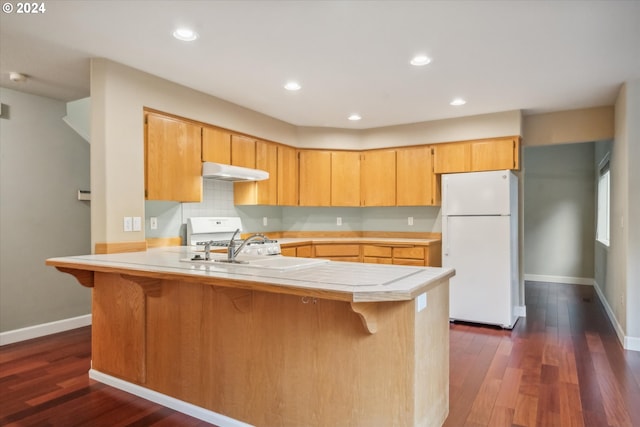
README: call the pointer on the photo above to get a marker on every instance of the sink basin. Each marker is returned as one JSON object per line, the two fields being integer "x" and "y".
{"x": 268, "y": 262}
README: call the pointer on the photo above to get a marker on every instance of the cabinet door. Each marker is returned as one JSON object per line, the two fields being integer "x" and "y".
{"x": 345, "y": 178}
{"x": 260, "y": 192}
{"x": 173, "y": 165}
{"x": 494, "y": 154}
{"x": 315, "y": 178}
{"x": 216, "y": 145}
{"x": 378, "y": 178}
{"x": 243, "y": 151}
{"x": 451, "y": 158}
{"x": 287, "y": 176}
{"x": 416, "y": 182}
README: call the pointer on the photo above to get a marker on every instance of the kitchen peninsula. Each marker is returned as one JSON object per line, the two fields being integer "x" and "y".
{"x": 282, "y": 342}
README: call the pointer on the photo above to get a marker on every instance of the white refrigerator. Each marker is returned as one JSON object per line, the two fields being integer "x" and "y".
{"x": 480, "y": 241}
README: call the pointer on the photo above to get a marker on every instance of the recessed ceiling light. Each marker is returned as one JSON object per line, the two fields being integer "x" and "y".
{"x": 292, "y": 86}
{"x": 185, "y": 34}
{"x": 355, "y": 117}
{"x": 420, "y": 60}
{"x": 458, "y": 101}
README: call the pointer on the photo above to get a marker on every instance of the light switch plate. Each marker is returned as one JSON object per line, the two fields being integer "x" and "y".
{"x": 421, "y": 302}
{"x": 128, "y": 223}
{"x": 153, "y": 223}
{"x": 137, "y": 223}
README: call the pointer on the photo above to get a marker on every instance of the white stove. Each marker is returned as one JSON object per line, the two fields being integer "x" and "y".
{"x": 217, "y": 233}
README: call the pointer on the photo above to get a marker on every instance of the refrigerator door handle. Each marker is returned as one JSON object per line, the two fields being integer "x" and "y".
{"x": 446, "y": 246}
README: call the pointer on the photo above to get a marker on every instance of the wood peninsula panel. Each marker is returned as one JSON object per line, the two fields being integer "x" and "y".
{"x": 289, "y": 361}
{"x": 118, "y": 339}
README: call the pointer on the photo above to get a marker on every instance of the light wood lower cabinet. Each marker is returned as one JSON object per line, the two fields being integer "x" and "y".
{"x": 399, "y": 254}
{"x": 303, "y": 251}
{"x": 337, "y": 252}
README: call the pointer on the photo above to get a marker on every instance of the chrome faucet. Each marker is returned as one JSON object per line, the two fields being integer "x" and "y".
{"x": 232, "y": 252}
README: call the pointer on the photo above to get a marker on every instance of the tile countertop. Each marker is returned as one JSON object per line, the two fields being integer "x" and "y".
{"x": 346, "y": 281}
{"x": 390, "y": 241}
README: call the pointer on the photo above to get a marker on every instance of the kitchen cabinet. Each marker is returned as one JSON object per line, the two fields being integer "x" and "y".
{"x": 315, "y": 178}
{"x": 495, "y": 154}
{"x": 243, "y": 151}
{"x": 452, "y": 157}
{"x": 476, "y": 156}
{"x": 417, "y": 184}
{"x": 287, "y": 176}
{"x": 302, "y": 251}
{"x": 260, "y": 192}
{"x": 345, "y": 178}
{"x": 216, "y": 145}
{"x": 173, "y": 153}
{"x": 337, "y": 252}
{"x": 403, "y": 254}
{"x": 378, "y": 178}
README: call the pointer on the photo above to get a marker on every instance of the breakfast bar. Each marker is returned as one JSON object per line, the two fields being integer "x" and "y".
{"x": 277, "y": 341}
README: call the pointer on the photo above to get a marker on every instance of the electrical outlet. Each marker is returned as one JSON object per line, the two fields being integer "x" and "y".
{"x": 153, "y": 223}
{"x": 137, "y": 223}
{"x": 339, "y": 221}
{"x": 410, "y": 220}
{"x": 265, "y": 221}
{"x": 128, "y": 223}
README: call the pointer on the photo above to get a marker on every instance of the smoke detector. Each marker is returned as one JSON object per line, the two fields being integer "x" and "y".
{"x": 17, "y": 77}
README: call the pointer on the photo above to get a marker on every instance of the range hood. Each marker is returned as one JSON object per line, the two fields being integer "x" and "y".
{"x": 232, "y": 173}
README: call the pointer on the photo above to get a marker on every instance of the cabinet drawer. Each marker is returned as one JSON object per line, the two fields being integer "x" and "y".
{"x": 414, "y": 252}
{"x": 304, "y": 251}
{"x": 376, "y": 260}
{"x": 288, "y": 251}
{"x": 337, "y": 250}
{"x": 376, "y": 251}
{"x": 406, "y": 261}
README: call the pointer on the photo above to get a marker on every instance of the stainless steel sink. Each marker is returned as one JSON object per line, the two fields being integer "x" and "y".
{"x": 268, "y": 262}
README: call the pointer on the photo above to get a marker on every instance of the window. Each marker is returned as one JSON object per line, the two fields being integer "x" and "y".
{"x": 604, "y": 202}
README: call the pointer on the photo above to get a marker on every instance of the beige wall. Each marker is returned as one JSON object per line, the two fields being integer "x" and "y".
{"x": 562, "y": 127}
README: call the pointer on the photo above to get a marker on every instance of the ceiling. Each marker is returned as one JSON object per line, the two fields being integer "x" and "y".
{"x": 349, "y": 56}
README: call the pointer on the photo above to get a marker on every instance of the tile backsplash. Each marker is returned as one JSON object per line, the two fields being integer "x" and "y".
{"x": 218, "y": 201}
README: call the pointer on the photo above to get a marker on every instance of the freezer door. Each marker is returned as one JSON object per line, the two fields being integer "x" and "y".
{"x": 478, "y": 193}
{"x": 478, "y": 248}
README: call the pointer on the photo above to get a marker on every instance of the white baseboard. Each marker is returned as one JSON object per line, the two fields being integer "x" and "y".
{"x": 43, "y": 329}
{"x": 168, "y": 401}
{"x": 520, "y": 310}
{"x": 559, "y": 279}
{"x": 628, "y": 343}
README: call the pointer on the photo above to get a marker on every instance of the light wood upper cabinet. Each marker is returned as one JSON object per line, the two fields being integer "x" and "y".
{"x": 287, "y": 175}
{"x": 495, "y": 154}
{"x": 173, "y": 165}
{"x": 243, "y": 151}
{"x": 345, "y": 178}
{"x": 260, "y": 192}
{"x": 417, "y": 185}
{"x": 314, "y": 177}
{"x": 216, "y": 145}
{"x": 378, "y": 178}
{"x": 476, "y": 156}
{"x": 451, "y": 158}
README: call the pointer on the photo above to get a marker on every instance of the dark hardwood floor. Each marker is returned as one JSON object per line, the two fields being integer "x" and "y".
{"x": 561, "y": 366}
